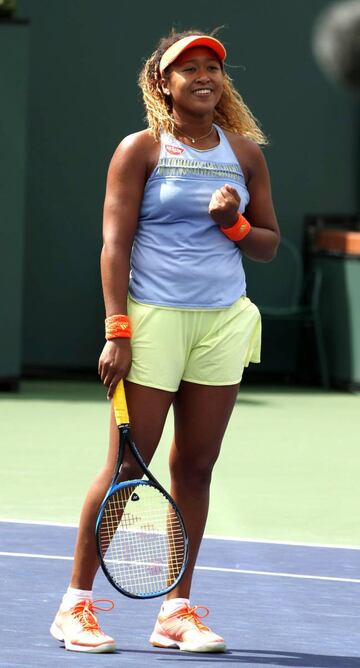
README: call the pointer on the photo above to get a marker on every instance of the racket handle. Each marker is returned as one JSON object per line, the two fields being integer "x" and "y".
{"x": 120, "y": 405}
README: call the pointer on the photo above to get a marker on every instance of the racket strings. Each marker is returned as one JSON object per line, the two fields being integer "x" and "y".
{"x": 142, "y": 540}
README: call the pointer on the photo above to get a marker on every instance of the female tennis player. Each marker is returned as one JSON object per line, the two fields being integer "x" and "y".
{"x": 186, "y": 198}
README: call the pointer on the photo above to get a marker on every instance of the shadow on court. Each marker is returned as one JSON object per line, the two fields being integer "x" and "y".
{"x": 247, "y": 401}
{"x": 59, "y": 390}
{"x": 294, "y": 659}
{"x": 248, "y": 657}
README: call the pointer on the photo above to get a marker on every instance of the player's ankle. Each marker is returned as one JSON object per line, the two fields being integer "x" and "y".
{"x": 73, "y": 595}
{"x": 170, "y": 605}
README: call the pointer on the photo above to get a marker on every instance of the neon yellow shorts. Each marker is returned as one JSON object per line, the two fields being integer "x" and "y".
{"x": 209, "y": 347}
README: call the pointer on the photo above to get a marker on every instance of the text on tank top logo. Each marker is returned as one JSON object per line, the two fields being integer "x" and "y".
{"x": 173, "y": 150}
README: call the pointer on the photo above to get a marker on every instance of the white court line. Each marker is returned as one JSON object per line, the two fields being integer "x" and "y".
{"x": 28, "y": 555}
{"x": 209, "y": 537}
{"x": 66, "y": 525}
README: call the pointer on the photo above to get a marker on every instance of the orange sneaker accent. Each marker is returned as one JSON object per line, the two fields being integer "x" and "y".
{"x": 184, "y": 630}
{"x": 79, "y": 629}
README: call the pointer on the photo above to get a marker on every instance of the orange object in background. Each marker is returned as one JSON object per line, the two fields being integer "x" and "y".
{"x": 338, "y": 241}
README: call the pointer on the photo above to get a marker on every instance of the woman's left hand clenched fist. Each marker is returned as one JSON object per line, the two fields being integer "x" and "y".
{"x": 224, "y": 205}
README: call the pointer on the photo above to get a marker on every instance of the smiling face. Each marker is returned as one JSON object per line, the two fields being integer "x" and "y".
{"x": 195, "y": 81}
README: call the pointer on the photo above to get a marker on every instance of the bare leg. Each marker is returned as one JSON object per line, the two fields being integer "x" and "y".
{"x": 201, "y": 413}
{"x": 148, "y": 408}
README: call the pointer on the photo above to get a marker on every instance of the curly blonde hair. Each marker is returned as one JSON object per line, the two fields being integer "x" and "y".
{"x": 231, "y": 112}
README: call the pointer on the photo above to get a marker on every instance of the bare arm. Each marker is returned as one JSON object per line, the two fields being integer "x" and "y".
{"x": 124, "y": 191}
{"x": 263, "y": 239}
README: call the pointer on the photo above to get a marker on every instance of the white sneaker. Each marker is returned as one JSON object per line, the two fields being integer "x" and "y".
{"x": 79, "y": 629}
{"x": 184, "y": 630}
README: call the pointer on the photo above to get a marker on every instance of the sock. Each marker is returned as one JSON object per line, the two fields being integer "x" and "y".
{"x": 73, "y": 596}
{"x": 168, "y": 607}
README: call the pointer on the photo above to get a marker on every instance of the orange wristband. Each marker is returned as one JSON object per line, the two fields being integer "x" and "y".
{"x": 239, "y": 230}
{"x": 117, "y": 326}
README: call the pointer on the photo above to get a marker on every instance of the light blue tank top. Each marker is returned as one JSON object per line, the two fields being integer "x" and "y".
{"x": 180, "y": 257}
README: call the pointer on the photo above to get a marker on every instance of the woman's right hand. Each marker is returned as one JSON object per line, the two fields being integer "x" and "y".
{"x": 114, "y": 363}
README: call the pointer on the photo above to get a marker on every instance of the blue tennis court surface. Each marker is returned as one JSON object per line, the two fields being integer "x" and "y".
{"x": 275, "y": 604}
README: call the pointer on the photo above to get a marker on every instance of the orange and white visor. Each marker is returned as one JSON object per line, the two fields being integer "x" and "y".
{"x": 185, "y": 43}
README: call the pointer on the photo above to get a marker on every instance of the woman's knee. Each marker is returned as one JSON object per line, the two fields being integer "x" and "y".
{"x": 193, "y": 470}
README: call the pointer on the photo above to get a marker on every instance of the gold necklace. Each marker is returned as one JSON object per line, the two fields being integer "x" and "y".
{"x": 193, "y": 141}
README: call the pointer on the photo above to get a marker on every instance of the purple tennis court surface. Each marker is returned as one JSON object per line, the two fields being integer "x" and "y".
{"x": 275, "y": 604}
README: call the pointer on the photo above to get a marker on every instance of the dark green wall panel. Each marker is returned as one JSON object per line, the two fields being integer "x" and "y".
{"x": 341, "y": 317}
{"x": 13, "y": 100}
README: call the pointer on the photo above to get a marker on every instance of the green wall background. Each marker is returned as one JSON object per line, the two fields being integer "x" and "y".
{"x": 84, "y": 62}
{"x": 13, "y": 131}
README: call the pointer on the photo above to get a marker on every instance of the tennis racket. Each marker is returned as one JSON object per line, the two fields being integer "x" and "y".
{"x": 140, "y": 534}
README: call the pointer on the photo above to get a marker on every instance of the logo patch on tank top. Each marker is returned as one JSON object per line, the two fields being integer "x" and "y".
{"x": 182, "y": 167}
{"x": 173, "y": 150}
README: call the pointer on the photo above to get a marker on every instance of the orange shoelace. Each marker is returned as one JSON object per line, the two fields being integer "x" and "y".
{"x": 84, "y": 612}
{"x": 192, "y": 616}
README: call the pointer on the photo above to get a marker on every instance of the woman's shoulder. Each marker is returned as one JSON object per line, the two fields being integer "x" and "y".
{"x": 242, "y": 143}
{"x": 137, "y": 147}
{"x": 137, "y": 141}
{"x": 247, "y": 151}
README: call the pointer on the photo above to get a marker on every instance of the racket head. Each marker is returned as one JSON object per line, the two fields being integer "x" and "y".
{"x": 141, "y": 540}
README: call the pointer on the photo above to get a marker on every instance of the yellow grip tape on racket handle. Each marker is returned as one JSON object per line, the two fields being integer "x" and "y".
{"x": 120, "y": 405}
